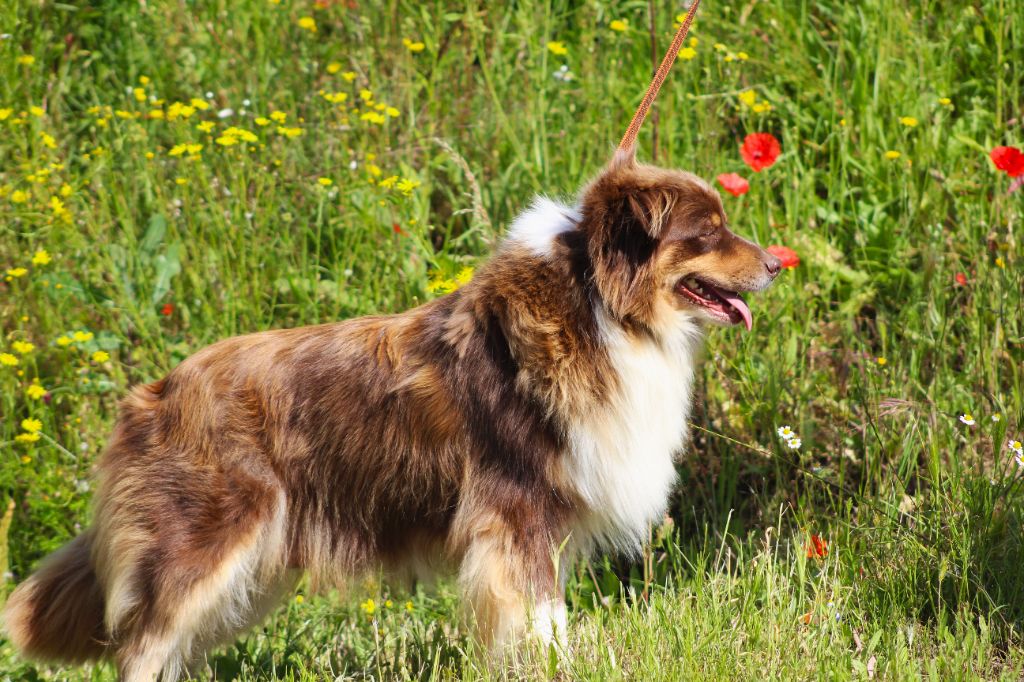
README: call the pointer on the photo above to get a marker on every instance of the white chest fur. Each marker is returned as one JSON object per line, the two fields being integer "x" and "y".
{"x": 621, "y": 458}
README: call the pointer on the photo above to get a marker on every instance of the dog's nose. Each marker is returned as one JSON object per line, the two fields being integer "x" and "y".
{"x": 773, "y": 265}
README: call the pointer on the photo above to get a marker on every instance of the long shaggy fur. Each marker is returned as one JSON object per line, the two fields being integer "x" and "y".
{"x": 539, "y": 407}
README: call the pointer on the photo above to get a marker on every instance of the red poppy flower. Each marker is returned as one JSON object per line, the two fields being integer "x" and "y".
{"x": 960, "y": 278}
{"x": 760, "y": 150}
{"x": 733, "y": 183}
{"x": 1009, "y": 159}
{"x": 786, "y": 255}
{"x": 397, "y": 229}
{"x": 167, "y": 310}
{"x": 817, "y": 548}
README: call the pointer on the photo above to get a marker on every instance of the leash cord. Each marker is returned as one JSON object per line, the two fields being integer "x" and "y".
{"x": 629, "y": 139}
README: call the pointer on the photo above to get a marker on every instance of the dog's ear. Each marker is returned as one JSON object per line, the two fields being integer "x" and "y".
{"x": 651, "y": 209}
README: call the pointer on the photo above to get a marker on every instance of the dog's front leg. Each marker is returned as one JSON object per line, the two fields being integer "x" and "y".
{"x": 509, "y": 581}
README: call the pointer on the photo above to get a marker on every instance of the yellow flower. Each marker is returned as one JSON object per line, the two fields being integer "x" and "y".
{"x": 180, "y": 181}
{"x": 48, "y": 140}
{"x": 464, "y": 275}
{"x": 366, "y": 95}
{"x": 150, "y": 155}
{"x": 372, "y": 117}
{"x": 325, "y": 182}
{"x": 31, "y": 425}
{"x": 41, "y": 257}
{"x": 748, "y": 97}
{"x": 557, "y": 47}
{"x": 144, "y": 80}
{"x": 892, "y": 154}
{"x": 16, "y": 272}
{"x": 881, "y": 361}
{"x": 289, "y": 132}
{"x": 908, "y": 121}
{"x": 333, "y": 67}
{"x": 18, "y": 197}
{"x": 100, "y": 356}
{"x": 408, "y": 606}
{"x": 261, "y": 121}
{"x": 279, "y": 116}
{"x": 156, "y": 114}
{"x": 619, "y": 25}
{"x": 761, "y": 107}
{"x": 687, "y": 53}
{"x": 945, "y": 101}
{"x": 8, "y": 360}
{"x": 368, "y": 606}
{"x": 349, "y": 76}
{"x": 226, "y": 140}
{"x": 1000, "y": 263}
{"x": 299, "y": 599}
{"x": 65, "y": 190}
{"x": 720, "y": 47}
{"x": 178, "y": 149}
{"x": 5, "y": 113}
{"x": 374, "y": 169}
{"x": 406, "y": 186}
{"x": 242, "y": 134}
{"x": 335, "y": 97}
{"x": 26, "y": 60}
{"x": 139, "y": 94}
{"x": 308, "y": 23}
{"x": 35, "y": 391}
{"x": 199, "y": 104}
{"x": 389, "y": 182}
{"x": 36, "y": 111}
{"x": 26, "y": 438}
{"x": 742, "y": 56}
{"x": 82, "y": 337}
{"x": 64, "y": 341}
{"x": 23, "y": 347}
{"x": 416, "y": 46}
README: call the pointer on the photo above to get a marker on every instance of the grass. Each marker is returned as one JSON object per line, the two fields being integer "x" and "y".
{"x": 154, "y": 254}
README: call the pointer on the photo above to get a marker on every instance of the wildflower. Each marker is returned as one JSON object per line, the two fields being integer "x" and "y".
{"x": 406, "y": 186}
{"x": 1016, "y": 447}
{"x": 299, "y": 599}
{"x": 16, "y": 272}
{"x": 100, "y": 356}
{"x": 18, "y": 197}
{"x": 960, "y": 278}
{"x": 349, "y": 76}
{"x": 167, "y": 310}
{"x": 325, "y": 182}
{"x": 82, "y": 337}
{"x": 372, "y": 117}
{"x": 8, "y": 360}
{"x": 563, "y": 74}
{"x": 733, "y": 183}
{"x": 261, "y": 121}
{"x": 882, "y": 362}
{"x": 333, "y": 67}
{"x": 817, "y": 547}
{"x": 5, "y": 113}
{"x": 748, "y": 97}
{"x": 619, "y": 25}
{"x": 687, "y": 53}
{"x": 388, "y": 182}
{"x": 366, "y": 95}
{"x": 761, "y": 107}
{"x": 35, "y": 391}
{"x": 967, "y": 419}
{"x": 464, "y": 275}
{"x": 48, "y": 140}
{"x": 557, "y": 47}
{"x": 226, "y": 140}
{"x": 408, "y": 606}
{"x": 412, "y": 46}
{"x": 786, "y": 433}
{"x": 908, "y": 121}
{"x": 65, "y": 191}
{"x": 308, "y": 24}
{"x": 996, "y": 417}
{"x": 368, "y": 606}
{"x": 392, "y": 112}
{"x": 31, "y": 425}
{"x": 289, "y": 132}
{"x": 26, "y": 438}
{"x": 720, "y": 47}
{"x": 36, "y": 111}
{"x": 199, "y": 104}
{"x": 23, "y": 347}
{"x": 945, "y": 101}
{"x": 335, "y": 97}
{"x": 1008, "y": 159}
{"x": 892, "y": 155}
{"x": 180, "y": 181}
{"x": 760, "y": 150}
{"x": 788, "y": 256}
{"x": 226, "y": 113}
{"x": 64, "y": 341}
{"x": 26, "y": 60}
{"x": 1000, "y": 263}
{"x": 794, "y": 443}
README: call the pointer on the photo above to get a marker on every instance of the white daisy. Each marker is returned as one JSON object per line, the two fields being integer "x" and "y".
{"x": 967, "y": 419}
{"x": 786, "y": 432}
{"x": 996, "y": 417}
{"x": 794, "y": 443}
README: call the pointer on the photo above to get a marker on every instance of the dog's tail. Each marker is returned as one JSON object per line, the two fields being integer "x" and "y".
{"x": 57, "y": 614}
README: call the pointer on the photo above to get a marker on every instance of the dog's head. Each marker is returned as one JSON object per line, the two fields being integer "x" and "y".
{"x": 659, "y": 242}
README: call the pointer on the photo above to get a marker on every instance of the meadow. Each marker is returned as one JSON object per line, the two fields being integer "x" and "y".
{"x": 173, "y": 173}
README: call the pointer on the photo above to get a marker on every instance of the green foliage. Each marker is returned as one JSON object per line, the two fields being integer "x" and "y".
{"x": 158, "y": 247}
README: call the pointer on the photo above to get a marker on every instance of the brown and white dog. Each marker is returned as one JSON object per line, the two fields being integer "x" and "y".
{"x": 535, "y": 410}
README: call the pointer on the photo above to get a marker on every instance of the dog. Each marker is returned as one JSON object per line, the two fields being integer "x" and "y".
{"x": 526, "y": 419}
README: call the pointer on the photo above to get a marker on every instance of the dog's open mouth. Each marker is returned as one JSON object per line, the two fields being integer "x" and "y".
{"x": 721, "y": 304}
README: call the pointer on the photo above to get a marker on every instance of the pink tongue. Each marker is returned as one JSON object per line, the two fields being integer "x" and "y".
{"x": 736, "y": 302}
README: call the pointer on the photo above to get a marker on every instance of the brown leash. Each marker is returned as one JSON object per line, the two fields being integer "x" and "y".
{"x": 629, "y": 139}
